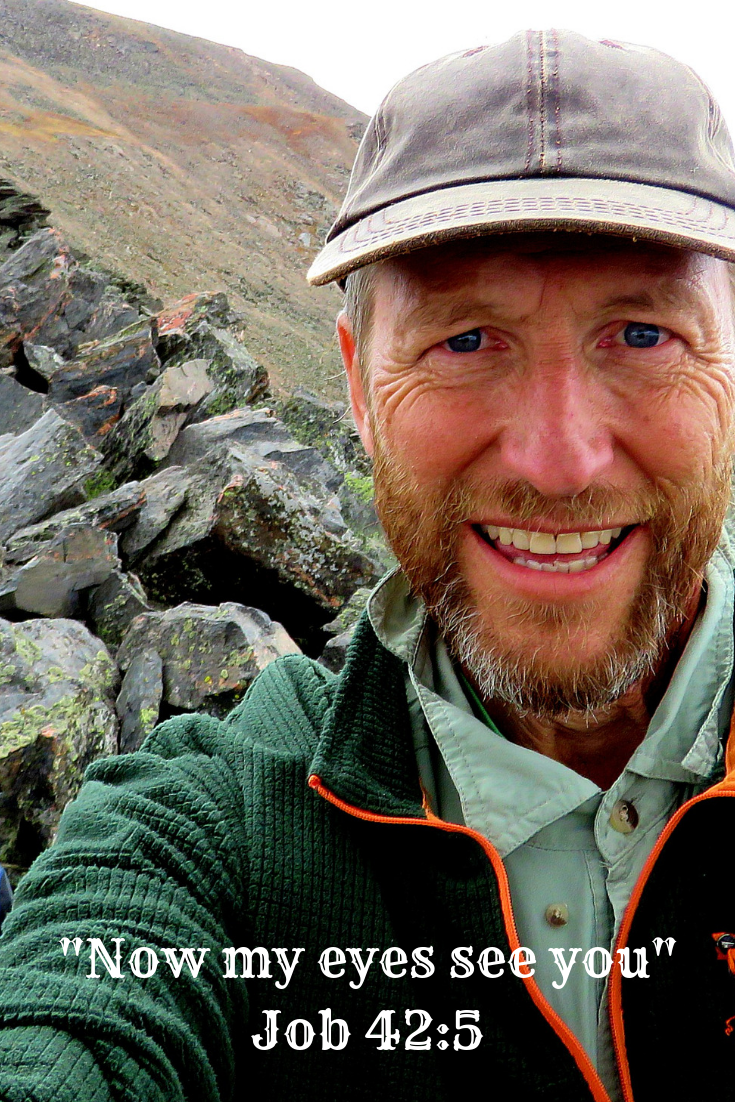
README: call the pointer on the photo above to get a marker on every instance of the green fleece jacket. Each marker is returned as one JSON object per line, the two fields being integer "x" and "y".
{"x": 298, "y": 823}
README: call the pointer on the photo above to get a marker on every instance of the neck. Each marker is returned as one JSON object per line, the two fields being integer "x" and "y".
{"x": 598, "y": 745}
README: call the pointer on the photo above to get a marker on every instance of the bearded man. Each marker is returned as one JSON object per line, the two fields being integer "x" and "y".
{"x": 497, "y": 845}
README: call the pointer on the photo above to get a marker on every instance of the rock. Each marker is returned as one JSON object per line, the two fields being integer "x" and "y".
{"x": 165, "y": 493}
{"x": 115, "y": 511}
{"x": 277, "y": 532}
{"x": 151, "y": 424}
{"x": 210, "y": 654}
{"x": 326, "y": 426}
{"x": 183, "y": 316}
{"x": 121, "y": 361}
{"x": 342, "y": 629}
{"x": 63, "y": 329}
{"x": 111, "y": 315}
{"x": 139, "y": 701}
{"x": 19, "y": 407}
{"x": 44, "y": 469}
{"x": 334, "y": 654}
{"x": 265, "y": 514}
{"x": 51, "y": 583}
{"x": 34, "y": 288}
{"x": 22, "y": 213}
{"x": 195, "y": 329}
{"x": 94, "y": 413}
{"x": 43, "y": 360}
{"x": 57, "y": 692}
{"x": 263, "y": 434}
{"x": 114, "y": 605}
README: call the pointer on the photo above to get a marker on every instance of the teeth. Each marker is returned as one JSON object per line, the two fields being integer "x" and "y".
{"x": 558, "y": 567}
{"x": 570, "y": 543}
{"x": 544, "y": 543}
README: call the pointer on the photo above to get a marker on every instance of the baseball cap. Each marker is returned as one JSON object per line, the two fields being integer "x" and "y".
{"x": 546, "y": 131}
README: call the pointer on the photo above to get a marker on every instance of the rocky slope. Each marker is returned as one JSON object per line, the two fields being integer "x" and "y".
{"x": 168, "y": 526}
{"x": 184, "y": 164}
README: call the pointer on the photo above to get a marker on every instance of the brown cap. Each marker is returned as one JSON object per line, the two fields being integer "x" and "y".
{"x": 548, "y": 130}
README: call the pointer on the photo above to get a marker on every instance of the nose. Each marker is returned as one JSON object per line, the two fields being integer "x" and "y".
{"x": 558, "y": 439}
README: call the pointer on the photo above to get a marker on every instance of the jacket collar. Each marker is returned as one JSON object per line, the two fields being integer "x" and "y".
{"x": 365, "y": 754}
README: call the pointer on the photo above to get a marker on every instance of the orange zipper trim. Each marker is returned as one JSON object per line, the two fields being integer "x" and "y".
{"x": 726, "y": 787}
{"x": 560, "y": 1027}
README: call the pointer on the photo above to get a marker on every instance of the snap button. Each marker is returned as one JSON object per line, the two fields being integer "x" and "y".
{"x": 624, "y": 817}
{"x": 557, "y": 914}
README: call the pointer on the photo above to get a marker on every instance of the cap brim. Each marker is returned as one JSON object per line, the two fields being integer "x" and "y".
{"x": 617, "y": 207}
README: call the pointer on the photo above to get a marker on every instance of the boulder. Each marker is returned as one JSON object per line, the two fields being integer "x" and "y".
{"x": 151, "y": 423}
{"x": 34, "y": 288}
{"x": 121, "y": 361}
{"x": 210, "y": 654}
{"x": 194, "y": 328}
{"x": 266, "y": 514}
{"x": 249, "y": 527}
{"x": 165, "y": 493}
{"x": 263, "y": 434}
{"x": 139, "y": 702}
{"x": 44, "y": 470}
{"x": 114, "y": 605}
{"x": 52, "y": 582}
{"x": 114, "y": 511}
{"x": 19, "y": 407}
{"x": 342, "y": 629}
{"x": 57, "y": 714}
{"x": 94, "y": 413}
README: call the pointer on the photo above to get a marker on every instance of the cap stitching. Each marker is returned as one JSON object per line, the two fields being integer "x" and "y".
{"x": 557, "y": 99}
{"x": 529, "y": 99}
{"x": 542, "y": 100}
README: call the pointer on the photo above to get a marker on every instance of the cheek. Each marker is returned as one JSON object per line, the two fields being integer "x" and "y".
{"x": 435, "y": 431}
{"x": 683, "y": 436}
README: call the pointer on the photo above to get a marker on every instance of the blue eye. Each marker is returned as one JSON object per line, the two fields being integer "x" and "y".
{"x": 465, "y": 342}
{"x": 641, "y": 334}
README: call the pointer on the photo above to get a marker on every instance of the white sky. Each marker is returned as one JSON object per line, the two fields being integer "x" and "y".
{"x": 359, "y": 48}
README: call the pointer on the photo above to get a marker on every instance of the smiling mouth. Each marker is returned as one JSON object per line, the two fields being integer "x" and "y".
{"x": 565, "y": 553}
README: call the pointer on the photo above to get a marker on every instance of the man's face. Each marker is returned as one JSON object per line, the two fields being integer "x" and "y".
{"x": 551, "y": 419}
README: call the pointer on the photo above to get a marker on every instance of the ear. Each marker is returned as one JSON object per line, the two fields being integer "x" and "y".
{"x": 354, "y": 381}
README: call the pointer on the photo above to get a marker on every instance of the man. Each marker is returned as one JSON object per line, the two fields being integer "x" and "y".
{"x": 521, "y": 772}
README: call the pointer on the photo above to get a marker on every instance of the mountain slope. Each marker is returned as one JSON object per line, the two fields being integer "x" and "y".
{"x": 184, "y": 164}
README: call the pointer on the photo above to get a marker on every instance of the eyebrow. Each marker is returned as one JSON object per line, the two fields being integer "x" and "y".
{"x": 429, "y": 314}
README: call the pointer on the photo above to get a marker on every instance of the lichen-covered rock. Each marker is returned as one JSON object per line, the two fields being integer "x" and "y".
{"x": 194, "y": 328}
{"x": 44, "y": 469}
{"x": 263, "y": 434}
{"x": 269, "y": 522}
{"x": 210, "y": 654}
{"x": 113, "y": 511}
{"x": 342, "y": 628}
{"x": 115, "y": 604}
{"x": 326, "y": 426}
{"x": 264, "y": 513}
{"x": 151, "y": 423}
{"x": 52, "y": 582}
{"x": 165, "y": 494}
{"x": 139, "y": 702}
{"x": 57, "y": 715}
